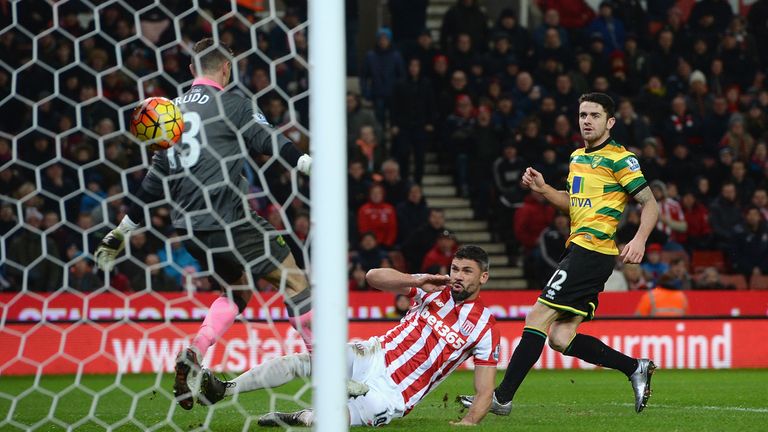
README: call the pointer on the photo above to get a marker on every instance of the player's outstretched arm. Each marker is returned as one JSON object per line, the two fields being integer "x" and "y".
{"x": 533, "y": 180}
{"x": 634, "y": 250}
{"x": 484, "y": 385}
{"x": 388, "y": 279}
{"x": 149, "y": 192}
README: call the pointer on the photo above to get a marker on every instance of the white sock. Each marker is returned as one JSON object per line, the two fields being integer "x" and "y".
{"x": 272, "y": 373}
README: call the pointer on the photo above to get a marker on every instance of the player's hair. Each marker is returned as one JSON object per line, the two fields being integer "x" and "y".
{"x": 601, "y": 99}
{"x": 474, "y": 253}
{"x": 211, "y": 55}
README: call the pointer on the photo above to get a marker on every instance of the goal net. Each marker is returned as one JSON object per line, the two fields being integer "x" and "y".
{"x": 82, "y": 350}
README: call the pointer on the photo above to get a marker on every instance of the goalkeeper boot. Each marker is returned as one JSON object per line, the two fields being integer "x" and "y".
{"x": 278, "y": 419}
{"x": 212, "y": 389}
{"x": 187, "y": 383}
{"x": 498, "y": 408}
{"x": 641, "y": 382}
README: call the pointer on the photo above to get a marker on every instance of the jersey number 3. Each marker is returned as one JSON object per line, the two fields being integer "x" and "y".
{"x": 189, "y": 153}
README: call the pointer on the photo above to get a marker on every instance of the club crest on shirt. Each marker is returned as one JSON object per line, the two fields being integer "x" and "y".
{"x": 596, "y": 161}
{"x": 466, "y": 328}
{"x": 260, "y": 118}
{"x": 633, "y": 164}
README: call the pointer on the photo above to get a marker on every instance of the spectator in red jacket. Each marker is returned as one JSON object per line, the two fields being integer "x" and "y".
{"x": 699, "y": 234}
{"x": 531, "y": 219}
{"x": 378, "y": 217}
{"x": 438, "y": 259}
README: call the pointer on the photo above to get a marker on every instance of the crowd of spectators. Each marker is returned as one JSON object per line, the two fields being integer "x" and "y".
{"x": 488, "y": 96}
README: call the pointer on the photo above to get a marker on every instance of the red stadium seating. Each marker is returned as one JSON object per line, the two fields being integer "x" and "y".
{"x": 758, "y": 282}
{"x": 703, "y": 259}
{"x": 738, "y": 281}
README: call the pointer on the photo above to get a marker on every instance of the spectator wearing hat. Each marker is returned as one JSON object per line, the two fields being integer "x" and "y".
{"x": 653, "y": 267}
{"x": 699, "y": 100}
{"x": 382, "y": 68}
{"x": 711, "y": 16}
{"x": 438, "y": 258}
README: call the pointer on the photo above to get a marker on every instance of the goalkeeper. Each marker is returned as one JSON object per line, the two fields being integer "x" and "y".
{"x": 202, "y": 179}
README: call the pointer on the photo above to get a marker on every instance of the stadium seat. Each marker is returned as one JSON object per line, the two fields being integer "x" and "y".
{"x": 758, "y": 282}
{"x": 738, "y": 281}
{"x": 707, "y": 258}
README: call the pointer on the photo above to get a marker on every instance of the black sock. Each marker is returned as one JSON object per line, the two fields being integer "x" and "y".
{"x": 525, "y": 356}
{"x": 593, "y": 350}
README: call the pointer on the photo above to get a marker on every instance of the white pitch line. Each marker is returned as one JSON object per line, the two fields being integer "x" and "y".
{"x": 665, "y": 406}
{"x": 700, "y": 407}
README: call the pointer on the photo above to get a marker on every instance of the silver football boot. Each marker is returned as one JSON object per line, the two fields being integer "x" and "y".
{"x": 497, "y": 407}
{"x": 641, "y": 382}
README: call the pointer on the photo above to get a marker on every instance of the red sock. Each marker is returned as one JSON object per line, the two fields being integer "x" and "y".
{"x": 220, "y": 317}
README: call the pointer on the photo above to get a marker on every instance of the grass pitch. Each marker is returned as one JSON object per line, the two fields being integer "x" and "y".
{"x": 589, "y": 401}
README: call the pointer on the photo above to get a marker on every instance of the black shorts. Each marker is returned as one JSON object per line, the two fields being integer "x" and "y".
{"x": 255, "y": 246}
{"x": 579, "y": 278}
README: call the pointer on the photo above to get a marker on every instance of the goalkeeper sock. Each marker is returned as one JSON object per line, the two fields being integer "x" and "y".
{"x": 300, "y": 315}
{"x": 220, "y": 318}
{"x": 272, "y": 373}
{"x": 303, "y": 325}
{"x": 593, "y": 350}
{"x": 525, "y": 356}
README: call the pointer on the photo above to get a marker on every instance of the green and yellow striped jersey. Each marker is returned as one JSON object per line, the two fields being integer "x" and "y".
{"x": 600, "y": 182}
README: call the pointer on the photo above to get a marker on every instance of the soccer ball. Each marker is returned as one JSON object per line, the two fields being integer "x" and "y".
{"x": 157, "y": 121}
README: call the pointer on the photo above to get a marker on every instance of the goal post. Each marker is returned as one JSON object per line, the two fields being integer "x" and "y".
{"x": 329, "y": 215}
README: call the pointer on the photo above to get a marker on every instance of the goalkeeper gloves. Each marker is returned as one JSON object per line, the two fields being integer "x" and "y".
{"x": 304, "y": 164}
{"x": 113, "y": 243}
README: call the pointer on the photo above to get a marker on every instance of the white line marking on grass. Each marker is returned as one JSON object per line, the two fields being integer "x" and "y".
{"x": 699, "y": 407}
{"x": 662, "y": 406}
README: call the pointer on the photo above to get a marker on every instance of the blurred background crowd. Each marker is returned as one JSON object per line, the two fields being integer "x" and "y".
{"x": 486, "y": 94}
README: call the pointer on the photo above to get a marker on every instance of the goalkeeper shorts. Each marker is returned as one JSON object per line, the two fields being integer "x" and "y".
{"x": 252, "y": 245}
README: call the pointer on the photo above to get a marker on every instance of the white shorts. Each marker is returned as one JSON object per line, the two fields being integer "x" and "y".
{"x": 383, "y": 402}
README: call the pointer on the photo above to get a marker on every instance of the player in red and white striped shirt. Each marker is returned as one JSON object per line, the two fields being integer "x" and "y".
{"x": 446, "y": 325}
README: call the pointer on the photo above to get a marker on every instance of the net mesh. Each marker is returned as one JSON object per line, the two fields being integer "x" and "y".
{"x": 83, "y": 350}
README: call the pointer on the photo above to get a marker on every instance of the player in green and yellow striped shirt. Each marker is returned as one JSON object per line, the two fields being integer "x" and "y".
{"x": 603, "y": 176}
